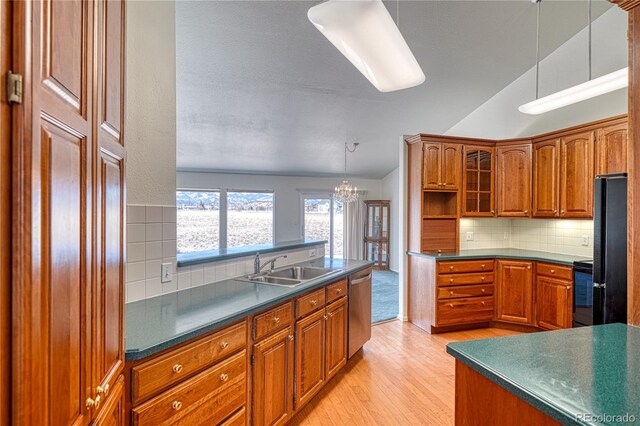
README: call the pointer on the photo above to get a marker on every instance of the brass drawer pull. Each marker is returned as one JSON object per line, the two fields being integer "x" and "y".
{"x": 224, "y": 345}
{"x": 103, "y": 390}
{"x": 451, "y": 305}
{"x": 451, "y": 280}
{"x": 314, "y": 302}
{"x": 224, "y": 377}
{"x": 451, "y": 268}
{"x": 568, "y": 287}
{"x": 553, "y": 271}
{"x": 176, "y": 405}
{"x": 451, "y": 293}
{"x": 276, "y": 320}
{"x": 291, "y": 337}
{"x": 177, "y": 368}
{"x": 483, "y": 278}
{"x": 90, "y": 403}
{"x": 482, "y": 266}
{"x": 339, "y": 290}
{"x": 482, "y": 303}
{"x": 482, "y": 290}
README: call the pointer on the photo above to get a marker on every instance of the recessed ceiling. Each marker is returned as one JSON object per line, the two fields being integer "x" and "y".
{"x": 260, "y": 90}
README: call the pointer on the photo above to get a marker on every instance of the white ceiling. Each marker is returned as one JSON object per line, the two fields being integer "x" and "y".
{"x": 260, "y": 90}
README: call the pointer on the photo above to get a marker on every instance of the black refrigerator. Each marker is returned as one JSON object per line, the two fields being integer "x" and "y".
{"x": 610, "y": 249}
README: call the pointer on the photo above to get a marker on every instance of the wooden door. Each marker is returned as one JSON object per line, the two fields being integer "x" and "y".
{"x": 336, "y": 337}
{"x": 576, "y": 176}
{"x": 514, "y": 291}
{"x": 53, "y": 210}
{"x": 113, "y": 413}
{"x": 611, "y": 149}
{"x": 451, "y": 166}
{"x": 431, "y": 165}
{"x": 478, "y": 186}
{"x": 554, "y": 303}
{"x": 310, "y": 361}
{"x": 108, "y": 312}
{"x": 514, "y": 180}
{"x": 546, "y": 178}
{"x": 273, "y": 379}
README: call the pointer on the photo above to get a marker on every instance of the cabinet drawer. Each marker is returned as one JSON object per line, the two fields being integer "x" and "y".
{"x": 465, "y": 291}
{"x": 461, "y": 279}
{"x": 310, "y": 303}
{"x": 555, "y": 271}
{"x": 464, "y": 311}
{"x": 465, "y": 266}
{"x": 207, "y": 398}
{"x": 155, "y": 375}
{"x": 336, "y": 290}
{"x": 237, "y": 419}
{"x": 273, "y": 320}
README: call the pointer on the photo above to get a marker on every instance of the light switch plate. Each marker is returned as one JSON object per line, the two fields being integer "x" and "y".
{"x": 469, "y": 236}
{"x": 585, "y": 240}
{"x": 166, "y": 273}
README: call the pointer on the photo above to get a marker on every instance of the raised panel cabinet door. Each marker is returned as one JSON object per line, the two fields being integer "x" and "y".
{"x": 114, "y": 408}
{"x": 310, "y": 360}
{"x": 52, "y": 283}
{"x": 514, "y": 180}
{"x": 336, "y": 338}
{"x": 451, "y": 166}
{"x": 554, "y": 303}
{"x": 576, "y": 176}
{"x": 273, "y": 379}
{"x": 611, "y": 149}
{"x": 546, "y": 178}
{"x": 431, "y": 165}
{"x": 108, "y": 295}
{"x": 514, "y": 291}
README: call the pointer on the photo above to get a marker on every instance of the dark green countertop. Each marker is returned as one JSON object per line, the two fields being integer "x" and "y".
{"x": 155, "y": 324}
{"x": 196, "y": 258}
{"x": 564, "y": 373}
{"x": 503, "y": 253}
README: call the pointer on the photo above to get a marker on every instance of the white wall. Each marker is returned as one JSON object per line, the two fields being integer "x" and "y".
{"x": 287, "y": 189}
{"x": 390, "y": 185}
{"x": 150, "y": 120}
{"x": 499, "y": 118}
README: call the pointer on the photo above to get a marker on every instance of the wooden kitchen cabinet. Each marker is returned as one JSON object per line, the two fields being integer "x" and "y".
{"x": 273, "y": 379}
{"x": 513, "y": 176}
{"x": 478, "y": 192}
{"x": 611, "y": 149}
{"x": 576, "y": 175}
{"x": 310, "y": 357}
{"x": 441, "y": 166}
{"x": 554, "y": 296}
{"x": 113, "y": 413}
{"x": 336, "y": 337}
{"x": 546, "y": 178}
{"x": 514, "y": 291}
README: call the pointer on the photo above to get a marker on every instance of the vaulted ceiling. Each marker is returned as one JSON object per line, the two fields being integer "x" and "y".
{"x": 260, "y": 90}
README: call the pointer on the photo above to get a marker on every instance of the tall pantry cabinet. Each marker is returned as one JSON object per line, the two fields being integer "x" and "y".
{"x": 68, "y": 283}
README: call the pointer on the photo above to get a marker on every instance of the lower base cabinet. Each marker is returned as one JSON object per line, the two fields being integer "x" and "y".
{"x": 336, "y": 337}
{"x": 514, "y": 292}
{"x": 113, "y": 413}
{"x": 310, "y": 357}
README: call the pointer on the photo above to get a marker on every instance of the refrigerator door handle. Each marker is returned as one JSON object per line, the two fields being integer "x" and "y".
{"x": 599, "y": 285}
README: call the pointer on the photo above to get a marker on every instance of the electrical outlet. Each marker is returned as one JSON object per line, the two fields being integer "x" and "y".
{"x": 585, "y": 240}
{"x": 312, "y": 253}
{"x": 166, "y": 273}
{"x": 469, "y": 236}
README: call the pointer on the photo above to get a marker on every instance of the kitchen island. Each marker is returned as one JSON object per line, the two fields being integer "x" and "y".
{"x": 579, "y": 376}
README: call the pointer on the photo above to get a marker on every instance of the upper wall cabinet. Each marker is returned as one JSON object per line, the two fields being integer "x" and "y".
{"x": 514, "y": 180}
{"x": 546, "y": 178}
{"x": 478, "y": 182}
{"x": 441, "y": 169}
{"x": 576, "y": 175}
{"x": 611, "y": 149}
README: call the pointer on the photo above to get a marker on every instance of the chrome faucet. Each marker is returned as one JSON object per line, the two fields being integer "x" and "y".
{"x": 257, "y": 267}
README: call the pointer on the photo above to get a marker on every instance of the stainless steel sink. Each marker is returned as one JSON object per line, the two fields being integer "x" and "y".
{"x": 266, "y": 279}
{"x": 290, "y": 276}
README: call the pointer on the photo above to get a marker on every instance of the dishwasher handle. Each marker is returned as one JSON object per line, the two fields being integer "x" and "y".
{"x": 361, "y": 280}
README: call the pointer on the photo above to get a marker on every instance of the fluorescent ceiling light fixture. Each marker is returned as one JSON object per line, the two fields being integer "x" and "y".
{"x": 592, "y": 88}
{"x": 365, "y": 33}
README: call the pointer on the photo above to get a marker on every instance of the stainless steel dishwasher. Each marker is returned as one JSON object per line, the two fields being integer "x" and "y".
{"x": 359, "y": 310}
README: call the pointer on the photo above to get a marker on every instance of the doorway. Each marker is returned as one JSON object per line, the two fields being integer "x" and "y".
{"x": 323, "y": 219}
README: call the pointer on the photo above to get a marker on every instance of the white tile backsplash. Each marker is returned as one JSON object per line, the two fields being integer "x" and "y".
{"x": 151, "y": 241}
{"x": 551, "y": 235}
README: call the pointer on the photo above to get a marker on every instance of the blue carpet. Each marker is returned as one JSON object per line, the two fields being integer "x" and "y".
{"x": 384, "y": 294}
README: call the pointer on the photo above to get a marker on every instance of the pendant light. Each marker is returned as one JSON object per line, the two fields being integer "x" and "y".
{"x": 345, "y": 192}
{"x": 590, "y": 89}
{"x": 365, "y": 33}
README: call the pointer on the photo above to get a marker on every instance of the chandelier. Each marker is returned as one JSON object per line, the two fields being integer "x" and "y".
{"x": 345, "y": 192}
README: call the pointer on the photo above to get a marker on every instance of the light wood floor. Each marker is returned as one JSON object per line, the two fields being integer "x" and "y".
{"x": 403, "y": 376}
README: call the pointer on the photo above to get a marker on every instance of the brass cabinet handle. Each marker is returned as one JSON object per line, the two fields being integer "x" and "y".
{"x": 451, "y": 280}
{"x": 103, "y": 390}
{"x": 90, "y": 403}
{"x": 176, "y": 405}
{"x": 224, "y": 345}
{"x": 291, "y": 337}
{"x": 553, "y": 271}
{"x": 451, "y": 268}
{"x": 568, "y": 287}
{"x": 177, "y": 368}
{"x": 451, "y": 293}
{"x": 276, "y": 320}
{"x": 493, "y": 211}
{"x": 526, "y": 212}
{"x": 451, "y": 305}
{"x": 482, "y": 303}
{"x": 339, "y": 291}
{"x": 482, "y": 266}
{"x": 314, "y": 302}
{"x": 482, "y": 290}
{"x": 224, "y": 377}
{"x": 483, "y": 278}
{"x": 326, "y": 317}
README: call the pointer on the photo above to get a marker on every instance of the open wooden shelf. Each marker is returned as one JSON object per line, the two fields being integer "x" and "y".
{"x": 440, "y": 204}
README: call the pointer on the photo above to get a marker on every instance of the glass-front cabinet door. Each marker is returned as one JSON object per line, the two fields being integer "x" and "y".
{"x": 478, "y": 185}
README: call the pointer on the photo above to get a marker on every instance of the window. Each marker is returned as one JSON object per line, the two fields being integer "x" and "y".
{"x": 249, "y": 218}
{"x": 203, "y": 225}
{"x": 324, "y": 220}
{"x": 198, "y": 218}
